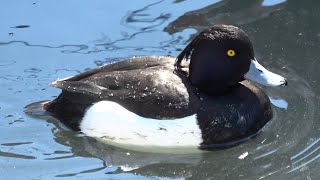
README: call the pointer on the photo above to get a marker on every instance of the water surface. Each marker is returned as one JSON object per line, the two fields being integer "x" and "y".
{"x": 43, "y": 41}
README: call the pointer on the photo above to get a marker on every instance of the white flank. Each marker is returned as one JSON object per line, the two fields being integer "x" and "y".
{"x": 115, "y": 124}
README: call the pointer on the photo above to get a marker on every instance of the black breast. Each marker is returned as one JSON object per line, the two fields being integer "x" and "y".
{"x": 235, "y": 117}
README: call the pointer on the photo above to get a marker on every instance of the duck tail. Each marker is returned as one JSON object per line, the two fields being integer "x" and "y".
{"x": 38, "y": 109}
{"x": 61, "y": 108}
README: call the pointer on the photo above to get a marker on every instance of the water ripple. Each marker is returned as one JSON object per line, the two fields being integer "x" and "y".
{"x": 32, "y": 70}
{"x": 305, "y": 150}
{"x": 16, "y": 144}
{"x": 14, "y": 155}
{"x": 303, "y": 155}
{"x": 7, "y": 63}
{"x": 134, "y": 18}
{"x": 78, "y": 47}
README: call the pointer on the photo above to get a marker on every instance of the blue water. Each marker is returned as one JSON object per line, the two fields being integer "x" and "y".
{"x": 42, "y": 41}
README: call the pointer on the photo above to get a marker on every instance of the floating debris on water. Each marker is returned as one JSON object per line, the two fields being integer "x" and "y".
{"x": 244, "y": 155}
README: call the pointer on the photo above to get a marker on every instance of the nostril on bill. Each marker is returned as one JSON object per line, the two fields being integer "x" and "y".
{"x": 284, "y": 82}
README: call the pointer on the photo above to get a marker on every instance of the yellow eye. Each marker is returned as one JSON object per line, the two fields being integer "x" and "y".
{"x": 231, "y": 53}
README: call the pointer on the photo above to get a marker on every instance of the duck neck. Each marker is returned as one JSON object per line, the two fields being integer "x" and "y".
{"x": 214, "y": 89}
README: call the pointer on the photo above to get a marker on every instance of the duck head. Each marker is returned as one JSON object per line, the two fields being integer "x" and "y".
{"x": 222, "y": 56}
